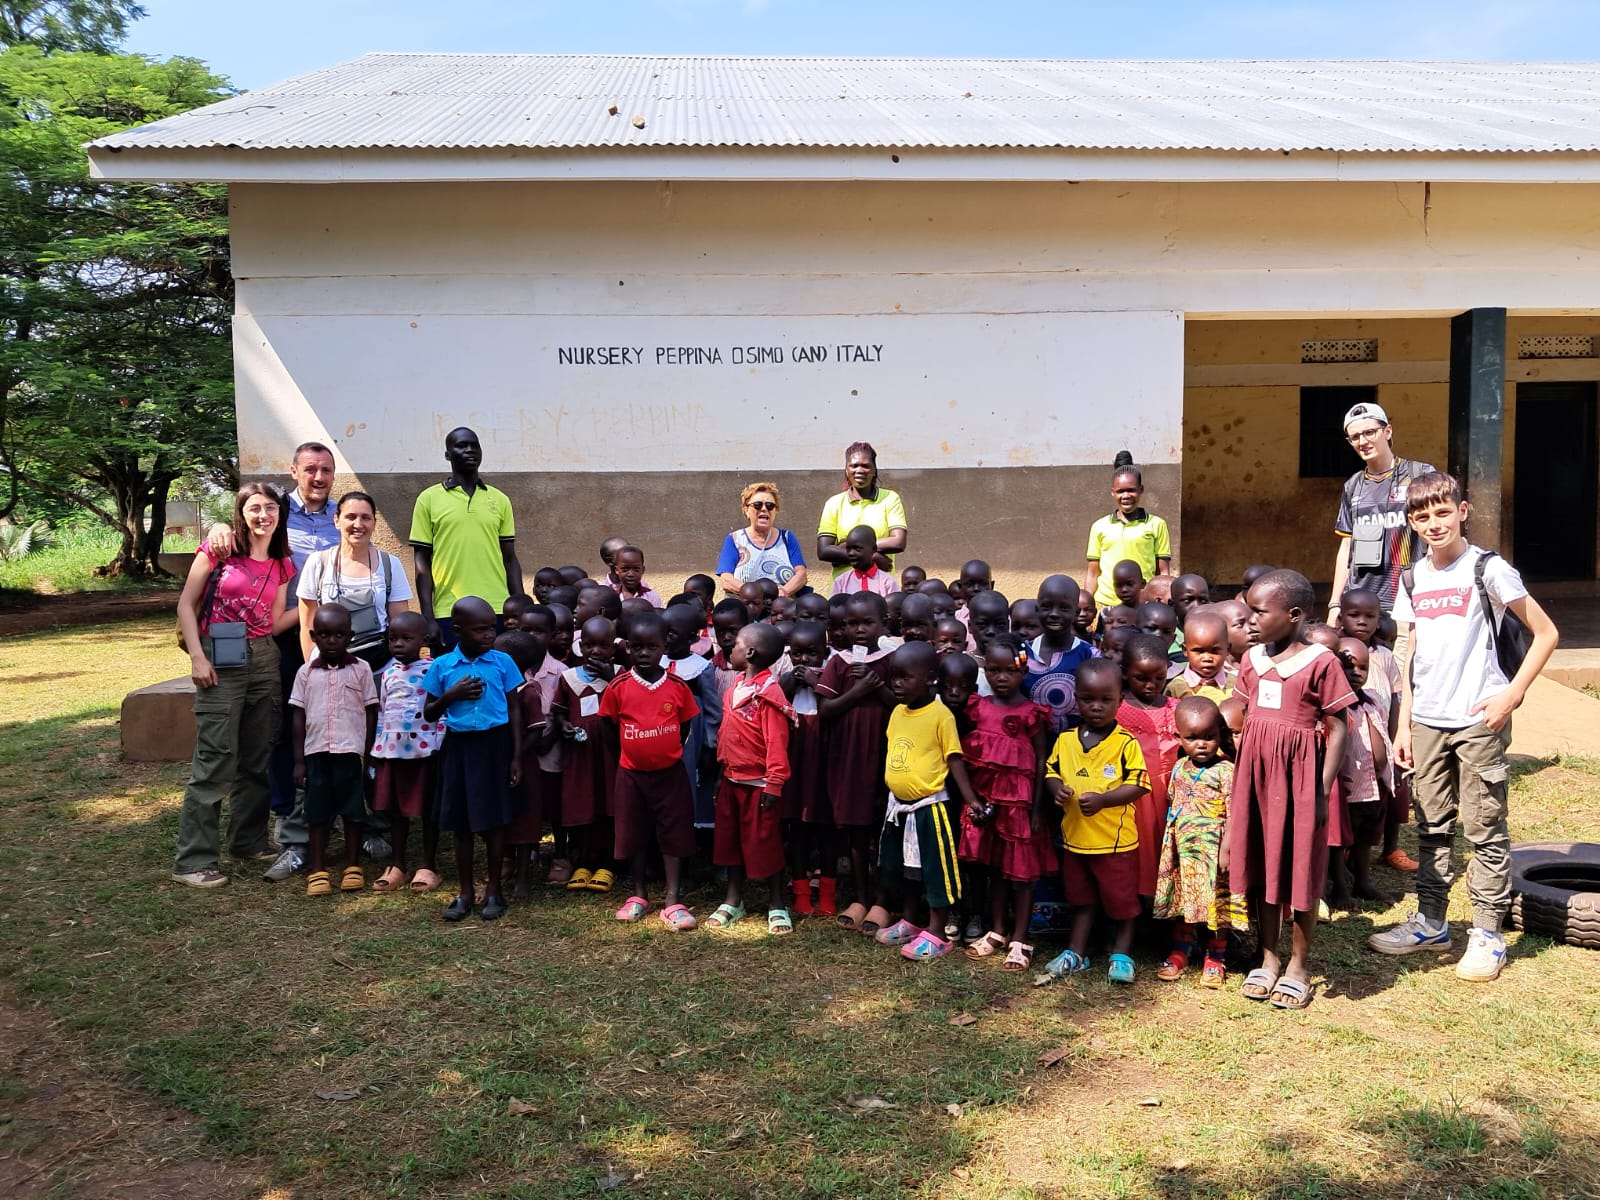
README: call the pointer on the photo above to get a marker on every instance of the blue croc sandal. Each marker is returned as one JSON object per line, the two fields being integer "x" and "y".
{"x": 1121, "y": 969}
{"x": 1068, "y": 962}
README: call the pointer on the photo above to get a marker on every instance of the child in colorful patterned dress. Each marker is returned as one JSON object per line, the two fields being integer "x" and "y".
{"x": 403, "y": 753}
{"x": 1005, "y": 742}
{"x": 1192, "y": 880}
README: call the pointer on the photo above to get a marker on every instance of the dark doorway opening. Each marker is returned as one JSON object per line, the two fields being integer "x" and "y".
{"x": 1557, "y": 480}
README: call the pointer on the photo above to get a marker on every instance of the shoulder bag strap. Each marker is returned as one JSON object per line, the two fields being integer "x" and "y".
{"x": 1483, "y": 597}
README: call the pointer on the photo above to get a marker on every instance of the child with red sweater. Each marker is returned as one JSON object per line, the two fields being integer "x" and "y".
{"x": 647, "y": 714}
{"x": 753, "y": 749}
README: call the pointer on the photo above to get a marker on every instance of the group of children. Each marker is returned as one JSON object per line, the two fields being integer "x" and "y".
{"x": 1219, "y": 765}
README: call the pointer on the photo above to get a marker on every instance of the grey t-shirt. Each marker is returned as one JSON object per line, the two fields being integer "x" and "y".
{"x": 1373, "y": 512}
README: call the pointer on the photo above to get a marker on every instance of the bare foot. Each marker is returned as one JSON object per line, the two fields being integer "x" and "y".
{"x": 521, "y": 892}
{"x": 1341, "y": 901}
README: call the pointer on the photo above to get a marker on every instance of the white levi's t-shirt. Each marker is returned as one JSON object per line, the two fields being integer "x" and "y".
{"x": 1452, "y": 651}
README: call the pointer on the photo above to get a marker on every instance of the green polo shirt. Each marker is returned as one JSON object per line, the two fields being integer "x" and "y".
{"x": 464, "y": 533}
{"x": 1112, "y": 539}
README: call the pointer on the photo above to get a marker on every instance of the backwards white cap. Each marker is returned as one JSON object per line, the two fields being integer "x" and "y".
{"x": 1365, "y": 411}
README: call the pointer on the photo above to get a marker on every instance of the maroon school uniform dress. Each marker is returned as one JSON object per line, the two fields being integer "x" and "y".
{"x": 533, "y": 795}
{"x": 1157, "y": 734}
{"x": 588, "y": 772}
{"x": 1002, "y": 765}
{"x": 805, "y": 795}
{"x": 1277, "y": 848}
{"x": 856, "y": 746}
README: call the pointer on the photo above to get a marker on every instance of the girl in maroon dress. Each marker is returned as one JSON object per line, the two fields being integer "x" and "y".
{"x": 1278, "y": 814}
{"x": 854, "y": 701}
{"x": 1005, "y": 739}
{"x": 1147, "y": 713}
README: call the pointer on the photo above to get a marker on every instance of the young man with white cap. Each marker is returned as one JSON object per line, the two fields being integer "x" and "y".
{"x": 1375, "y": 541}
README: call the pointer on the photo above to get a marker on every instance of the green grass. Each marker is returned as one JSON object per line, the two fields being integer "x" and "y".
{"x": 724, "y": 1065}
{"x": 67, "y": 564}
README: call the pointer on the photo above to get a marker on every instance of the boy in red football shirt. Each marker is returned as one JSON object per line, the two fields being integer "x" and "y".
{"x": 646, "y": 715}
{"x": 753, "y": 748}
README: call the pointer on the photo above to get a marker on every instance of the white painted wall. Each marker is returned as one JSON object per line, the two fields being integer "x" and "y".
{"x": 1046, "y": 313}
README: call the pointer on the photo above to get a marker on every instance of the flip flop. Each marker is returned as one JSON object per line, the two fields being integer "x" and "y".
{"x": 1259, "y": 984}
{"x": 354, "y": 879}
{"x": 871, "y": 925}
{"x": 1120, "y": 969}
{"x": 725, "y": 915}
{"x": 986, "y": 946}
{"x": 678, "y": 917}
{"x": 778, "y": 921}
{"x": 601, "y": 880}
{"x": 319, "y": 883}
{"x": 633, "y": 909}
{"x": 580, "y": 880}
{"x": 390, "y": 881}
{"x": 424, "y": 880}
{"x": 1291, "y": 994}
{"x": 852, "y": 916}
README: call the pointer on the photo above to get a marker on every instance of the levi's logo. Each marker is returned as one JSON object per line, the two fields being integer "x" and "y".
{"x": 1445, "y": 603}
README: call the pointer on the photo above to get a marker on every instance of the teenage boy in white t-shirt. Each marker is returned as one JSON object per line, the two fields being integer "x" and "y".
{"x": 1455, "y": 725}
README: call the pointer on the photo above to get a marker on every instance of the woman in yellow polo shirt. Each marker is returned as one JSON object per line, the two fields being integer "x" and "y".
{"x": 862, "y": 502}
{"x": 1128, "y": 532}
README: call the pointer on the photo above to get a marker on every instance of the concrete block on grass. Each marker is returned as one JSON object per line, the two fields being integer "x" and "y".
{"x": 158, "y": 722}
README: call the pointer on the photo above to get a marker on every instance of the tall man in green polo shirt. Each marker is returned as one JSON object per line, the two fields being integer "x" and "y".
{"x": 464, "y": 539}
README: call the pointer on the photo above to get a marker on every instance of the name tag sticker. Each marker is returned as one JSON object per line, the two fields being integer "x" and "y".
{"x": 1269, "y": 694}
{"x": 588, "y": 706}
{"x": 1109, "y": 771}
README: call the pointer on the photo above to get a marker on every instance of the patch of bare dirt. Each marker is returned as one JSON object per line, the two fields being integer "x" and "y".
{"x": 65, "y": 1132}
{"x": 27, "y": 612}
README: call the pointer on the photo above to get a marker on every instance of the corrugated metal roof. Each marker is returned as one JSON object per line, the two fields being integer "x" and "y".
{"x": 564, "y": 102}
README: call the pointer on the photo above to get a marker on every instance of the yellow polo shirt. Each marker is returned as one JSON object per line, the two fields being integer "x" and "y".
{"x": 841, "y": 514}
{"x": 464, "y": 534}
{"x": 1115, "y": 761}
{"x": 1111, "y": 539}
{"x": 921, "y": 741}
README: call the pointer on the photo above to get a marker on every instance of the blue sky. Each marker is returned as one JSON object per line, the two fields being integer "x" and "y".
{"x": 258, "y": 43}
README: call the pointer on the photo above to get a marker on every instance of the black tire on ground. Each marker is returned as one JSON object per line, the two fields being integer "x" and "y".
{"x": 1555, "y": 891}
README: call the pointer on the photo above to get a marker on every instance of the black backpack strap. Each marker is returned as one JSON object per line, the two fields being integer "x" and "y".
{"x": 1483, "y": 596}
{"x": 1408, "y": 579}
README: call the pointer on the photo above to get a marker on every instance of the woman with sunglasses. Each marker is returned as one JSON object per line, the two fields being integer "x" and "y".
{"x": 761, "y": 550}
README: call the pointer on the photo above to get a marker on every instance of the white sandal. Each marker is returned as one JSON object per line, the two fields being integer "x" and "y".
{"x": 1020, "y": 957}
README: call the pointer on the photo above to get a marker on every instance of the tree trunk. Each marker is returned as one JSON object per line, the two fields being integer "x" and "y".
{"x": 150, "y": 540}
{"x": 128, "y": 494}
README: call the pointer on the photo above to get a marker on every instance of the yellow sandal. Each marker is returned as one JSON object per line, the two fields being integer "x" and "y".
{"x": 579, "y": 881}
{"x": 319, "y": 883}
{"x": 354, "y": 879}
{"x": 601, "y": 881}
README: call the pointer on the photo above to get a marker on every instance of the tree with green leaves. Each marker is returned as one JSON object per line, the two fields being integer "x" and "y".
{"x": 115, "y": 299}
{"x": 94, "y": 25}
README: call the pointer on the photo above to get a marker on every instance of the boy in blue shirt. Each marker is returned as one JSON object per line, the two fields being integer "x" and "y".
{"x": 474, "y": 688}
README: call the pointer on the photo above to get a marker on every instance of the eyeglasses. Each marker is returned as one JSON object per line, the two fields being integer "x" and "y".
{"x": 764, "y": 505}
{"x": 1365, "y": 435}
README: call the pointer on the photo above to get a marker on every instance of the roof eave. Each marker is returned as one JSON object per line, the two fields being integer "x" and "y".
{"x": 825, "y": 164}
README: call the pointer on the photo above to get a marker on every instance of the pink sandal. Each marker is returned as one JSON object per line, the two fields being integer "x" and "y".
{"x": 424, "y": 880}
{"x": 633, "y": 909}
{"x": 390, "y": 881}
{"x": 678, "y": 917}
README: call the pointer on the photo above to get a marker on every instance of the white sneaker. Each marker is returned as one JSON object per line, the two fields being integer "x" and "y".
{"x": 208, "y": 877}
{"x": 1485, "y": 956}
{"x": 286, "y": 865}
{"x": 1411, "y": 935}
